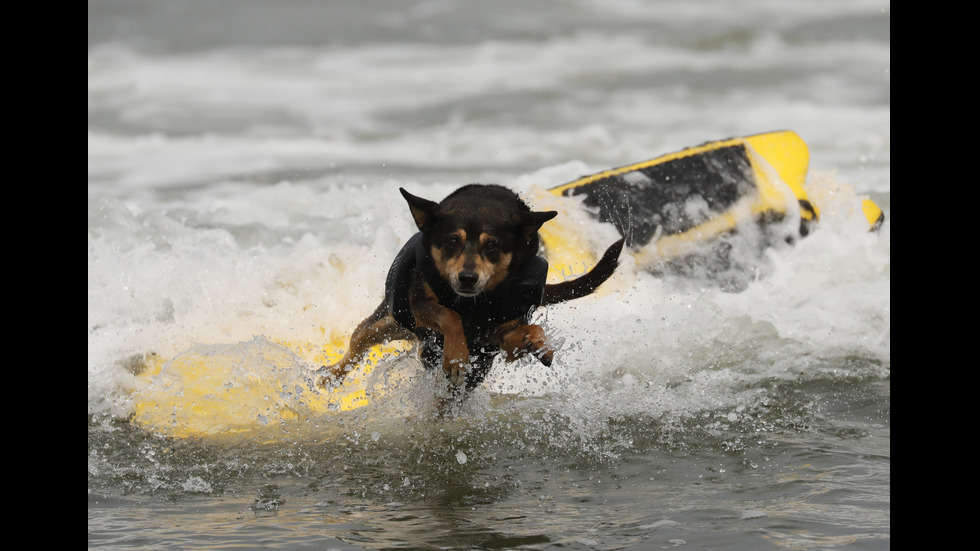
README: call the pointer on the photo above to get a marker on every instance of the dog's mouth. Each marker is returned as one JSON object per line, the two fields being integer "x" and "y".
{"x": 466, "y": 291}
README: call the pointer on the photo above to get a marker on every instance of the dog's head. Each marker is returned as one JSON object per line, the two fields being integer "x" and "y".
{"x": 478, "y": 235}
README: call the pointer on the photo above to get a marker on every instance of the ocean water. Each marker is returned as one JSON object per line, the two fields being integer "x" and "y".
{"x": 244, "y": 159}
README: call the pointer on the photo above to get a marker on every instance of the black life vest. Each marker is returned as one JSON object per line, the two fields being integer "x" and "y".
{"x": 480, "y": 314}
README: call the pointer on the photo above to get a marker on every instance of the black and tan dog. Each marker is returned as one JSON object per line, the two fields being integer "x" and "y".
{"x": 466, "y": 284}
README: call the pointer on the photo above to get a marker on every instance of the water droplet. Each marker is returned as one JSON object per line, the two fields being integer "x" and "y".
{"x": 461, "y": 457}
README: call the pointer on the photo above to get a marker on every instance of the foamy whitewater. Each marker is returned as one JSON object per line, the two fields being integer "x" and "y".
{"x": 243, "y": 175}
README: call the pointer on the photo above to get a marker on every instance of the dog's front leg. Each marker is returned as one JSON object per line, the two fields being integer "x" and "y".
{"x": 455, "y": 354}
{"x": 517, "y": 338}
{"x": 375, "y": 329}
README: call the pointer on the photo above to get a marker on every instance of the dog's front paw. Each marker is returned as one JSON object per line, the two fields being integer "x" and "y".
{"x": 455, "y": 361}
{"x": 536, "y": 344}
{"x": 526, "y": 339}
{"x": 327, "y": 377}
{"x": 455, "y": 371}
{"x": 546, "y": 355}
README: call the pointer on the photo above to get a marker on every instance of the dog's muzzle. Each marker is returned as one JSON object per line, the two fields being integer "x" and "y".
{"x": 467, "y": 284}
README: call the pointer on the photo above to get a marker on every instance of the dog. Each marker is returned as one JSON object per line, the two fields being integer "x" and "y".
{"x": 465, "y": 285}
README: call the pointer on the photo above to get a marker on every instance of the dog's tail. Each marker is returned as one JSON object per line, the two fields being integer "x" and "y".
{"x": 585, "y": 284}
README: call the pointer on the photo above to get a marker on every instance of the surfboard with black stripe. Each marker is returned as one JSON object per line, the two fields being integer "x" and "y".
{"x": 669, "y": 206}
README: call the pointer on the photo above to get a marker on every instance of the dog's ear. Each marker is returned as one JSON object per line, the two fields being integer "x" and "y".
{"x": 423, "y": 210}
{"x": 530, "y": 222}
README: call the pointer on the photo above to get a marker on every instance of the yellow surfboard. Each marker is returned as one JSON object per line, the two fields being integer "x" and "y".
{"x": 213, "y": 390}
{"x": 224, "y": 389}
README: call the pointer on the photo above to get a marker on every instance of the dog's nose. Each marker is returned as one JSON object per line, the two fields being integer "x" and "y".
{"x": 467, "y": 280}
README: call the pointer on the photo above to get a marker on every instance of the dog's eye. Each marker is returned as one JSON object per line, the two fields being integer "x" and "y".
{"x": 453, "y": 242}
{"x": 490, "y": 245}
